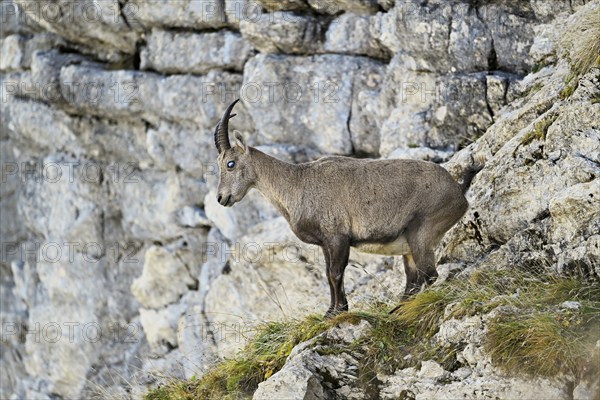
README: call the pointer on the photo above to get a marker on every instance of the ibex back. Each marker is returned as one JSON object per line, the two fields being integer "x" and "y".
{"x": 391, "y": 207}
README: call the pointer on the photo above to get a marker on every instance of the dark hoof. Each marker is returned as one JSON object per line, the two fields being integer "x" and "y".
{"x": 334, "y": 312}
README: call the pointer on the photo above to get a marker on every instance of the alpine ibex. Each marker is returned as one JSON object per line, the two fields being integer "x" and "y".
{"x": 390, "y": 207}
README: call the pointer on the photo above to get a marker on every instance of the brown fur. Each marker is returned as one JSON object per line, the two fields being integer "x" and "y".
{"x": 400, "y": 207}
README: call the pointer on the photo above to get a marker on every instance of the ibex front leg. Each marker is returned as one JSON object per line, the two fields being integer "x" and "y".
{"x": 336, "y": 255}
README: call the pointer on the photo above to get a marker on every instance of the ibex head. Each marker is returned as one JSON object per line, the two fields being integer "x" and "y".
{"x": 237, "y": 173}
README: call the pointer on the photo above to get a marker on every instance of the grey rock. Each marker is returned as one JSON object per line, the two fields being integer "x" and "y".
{"x": 512, "y": 36}
{"x": 571, "y": 305}
{"x": 11, "y": 50}
{"x": 25, "y": 281}
{"x": 320, "y": 92}
{"x": 173, "y": 146}
{"x": 239, "y": 10}
{"x": 45, "y": 74}
{"x": 421, "y": 153}
{"x": 432, "y": 370}
{"x": 403, "y": 382}
{"x": 523, "y": 202}
{"x": 17, "y": 51}
{"x": 160, "y": 326}
{"x": 336, "y": 6}
{"x": 297, "y": 384}
{"x": 31, "y": 389}
{"x": 15, "y": 20}
{"x": 37, "y": 127}
{"x": 302, "y": 375}
{"x": 473, "y": 38}
{"x": 192, "y": 217}
{"x": 547, "y": 12}
{"x": 453, "y": 331}
{"x": 12, "y": 229}
{"x": 164, "y": 279}
{"x": 61, "y": 179}
{"x": 284, "y": 5}
{"x": 284, "y": 32}
{"x": 497, "y": 88}
{"x": 462, "y": 373}
{"x": 170, "y": 53}
{"x": 41, "y": 125}
{"x": 350, "y": 34}
{"x": 422, "y": 32}
{"x": 106, "y": 93}
{"x": 193, "y": 14}
{"x": 197, "y": 100}
{"x": 431, "y": 110}
{"x": 150, "y": 200}
{"x": 102, "y": 25}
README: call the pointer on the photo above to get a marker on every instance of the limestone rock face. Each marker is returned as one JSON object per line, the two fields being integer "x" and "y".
{"x": 323, "y": 94}
{"x": 284, "y": 32}
{"x": 302, "y": 376}
{"x": 555, "y": 220}
{"x": 167, "y": 52}
{"x": 118, "y": 265}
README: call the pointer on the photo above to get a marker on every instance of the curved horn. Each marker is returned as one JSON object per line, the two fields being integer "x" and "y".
{"x": 222, "y": 129}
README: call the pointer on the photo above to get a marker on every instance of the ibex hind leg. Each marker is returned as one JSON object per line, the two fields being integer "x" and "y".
{"x": 422, "y": 269}
{"x": 415, "y": 279}
{"x": 411, "y": 272}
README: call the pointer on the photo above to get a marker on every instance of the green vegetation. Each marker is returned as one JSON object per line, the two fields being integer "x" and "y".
{"x": 541, "y": 65}
{"x": 264, "y": 355}
{"x": 534, "y": 89}
{"x": 569, "y": 89}
{"x": 581, "y": 47}
{"x": 539, "y": 131}
{"x": 581, "y": 42}
{"x": 530, "y": 333}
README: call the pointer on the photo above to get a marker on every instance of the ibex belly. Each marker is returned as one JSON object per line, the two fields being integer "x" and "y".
{"x": 395, "y": 248}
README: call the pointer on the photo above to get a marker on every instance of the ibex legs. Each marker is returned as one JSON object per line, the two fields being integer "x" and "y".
{"x": 420, "y": 264}
{"x": 336, "y": 256}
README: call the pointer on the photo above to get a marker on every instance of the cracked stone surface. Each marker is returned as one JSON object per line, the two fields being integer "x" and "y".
{"x": 106, "y": 121}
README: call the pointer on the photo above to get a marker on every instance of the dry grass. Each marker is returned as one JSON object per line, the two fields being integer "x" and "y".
{"x": 542, "y": 338}
{"x": 580, "y": 44}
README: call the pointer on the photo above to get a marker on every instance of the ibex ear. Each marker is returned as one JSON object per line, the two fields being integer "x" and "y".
{"x": 239, "y": 141}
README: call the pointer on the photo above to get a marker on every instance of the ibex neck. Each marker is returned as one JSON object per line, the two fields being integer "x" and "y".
{"x": 277, "y": 180}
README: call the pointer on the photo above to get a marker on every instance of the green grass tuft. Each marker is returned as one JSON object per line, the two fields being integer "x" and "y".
{"x": 236, "y": 378}
{"x": 424, "y": 311}
{"x": 581, "y": 47}
{"x": 569, "y": 90}
{"x": 542, "y": 343}
{"x": 539, "y": 131}
{"x": 581, "y": 43}
{"x": 538, "y": 337}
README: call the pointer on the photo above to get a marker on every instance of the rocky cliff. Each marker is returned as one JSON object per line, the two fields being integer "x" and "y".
{"x": 119, "y": 268}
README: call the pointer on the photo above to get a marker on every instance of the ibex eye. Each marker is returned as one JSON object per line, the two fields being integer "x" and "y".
{"x": 231, "y": 164}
